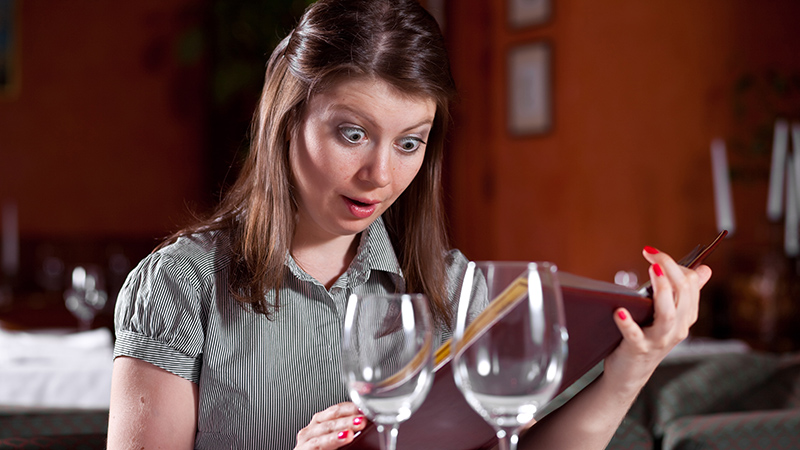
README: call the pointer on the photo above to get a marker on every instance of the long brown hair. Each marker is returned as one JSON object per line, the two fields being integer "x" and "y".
{"x": 396, "y": 41}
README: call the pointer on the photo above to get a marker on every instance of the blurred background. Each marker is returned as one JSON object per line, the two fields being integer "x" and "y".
{"x": 120, "y": 119}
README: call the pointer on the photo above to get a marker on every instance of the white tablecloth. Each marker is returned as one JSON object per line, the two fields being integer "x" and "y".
{"x": 56, "y": 369}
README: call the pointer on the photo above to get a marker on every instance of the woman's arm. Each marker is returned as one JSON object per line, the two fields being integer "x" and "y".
{"x": 589, "y": 420}
{"x": 150, "y": 407}
{"x": 155, "y": 409}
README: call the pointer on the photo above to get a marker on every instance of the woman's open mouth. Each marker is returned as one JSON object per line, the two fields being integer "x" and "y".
{"x": 361, "y": 208}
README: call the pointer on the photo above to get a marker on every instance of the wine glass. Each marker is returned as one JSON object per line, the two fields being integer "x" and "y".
{"x": 86, "y": 296}
{"x": 510, "y": 343}
{"x": 387, "y": 361}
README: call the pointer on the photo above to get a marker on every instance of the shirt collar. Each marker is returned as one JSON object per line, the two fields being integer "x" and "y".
{"x": 375, "y": 252}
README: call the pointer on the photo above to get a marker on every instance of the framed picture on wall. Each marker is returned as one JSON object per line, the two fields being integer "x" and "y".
{"x": 524, "y": 13}
{"x": 8, "y": 47}
{"x": 529, "y": 98}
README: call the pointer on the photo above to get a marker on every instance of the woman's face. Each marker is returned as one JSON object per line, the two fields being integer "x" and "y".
{"x": 358, "y": 147}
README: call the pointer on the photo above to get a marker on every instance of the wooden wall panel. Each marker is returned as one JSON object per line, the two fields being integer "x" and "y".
{"x": 106, "y": 134}
{"x": 640, "y": 89}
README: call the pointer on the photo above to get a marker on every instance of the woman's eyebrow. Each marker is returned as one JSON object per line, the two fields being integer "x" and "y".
{"x": 372, "y": 121}
{"x": 422, "y": 123}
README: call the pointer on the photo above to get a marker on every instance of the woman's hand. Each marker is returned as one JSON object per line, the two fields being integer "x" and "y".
{"x": 676, "y": 295}
{"x": 590, "y": 419}
{"x": 331, "y": 428}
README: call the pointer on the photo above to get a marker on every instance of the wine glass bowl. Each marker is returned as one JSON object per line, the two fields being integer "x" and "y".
{"x": 387, "y": 358}
{"x": 510, "y": 342}
{"x": 85, "y": 297}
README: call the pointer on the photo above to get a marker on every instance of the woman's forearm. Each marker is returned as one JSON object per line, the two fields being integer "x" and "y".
{"x": 587, "y": 421}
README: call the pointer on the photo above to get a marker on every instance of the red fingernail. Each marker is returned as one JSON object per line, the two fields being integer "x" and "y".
{"x": 358, "y": 420}
{"x": 344, "y": 434}
{"x": 622, "y": 315}
{"x": 650, "y": 250}
{"x": 657, "y": 270}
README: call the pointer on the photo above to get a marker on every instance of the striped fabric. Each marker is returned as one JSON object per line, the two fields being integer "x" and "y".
{"x": 260, "y": 381}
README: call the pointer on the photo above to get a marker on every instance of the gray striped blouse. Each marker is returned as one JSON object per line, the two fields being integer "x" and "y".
{"x": 260, "y": 381}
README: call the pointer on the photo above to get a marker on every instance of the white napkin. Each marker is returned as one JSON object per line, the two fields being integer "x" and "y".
{"x": 56, "y": 369}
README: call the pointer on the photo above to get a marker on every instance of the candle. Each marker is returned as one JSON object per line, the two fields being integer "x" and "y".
{"x": 780, "y": 145}
{"x": 723, "y": 199}
{"x": 791, "y": 243}
{"x": 10, "y": 256}
{"x": 796, "y": 139}
{"x": 791, "y": 236}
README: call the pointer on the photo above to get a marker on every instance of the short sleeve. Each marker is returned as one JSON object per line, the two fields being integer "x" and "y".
{"x": 158, "y": 316}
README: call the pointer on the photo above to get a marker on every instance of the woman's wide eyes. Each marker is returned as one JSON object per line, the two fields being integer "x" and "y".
{"x": 353, "y": 135}
{"x": 356, "y": 135}
{"x": 408, "y": 144}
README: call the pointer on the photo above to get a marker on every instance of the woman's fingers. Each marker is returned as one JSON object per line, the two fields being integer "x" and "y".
{"x": 332, "y": 427}
{"x": 328, "y": 441}
{"x": 654, "y": 256}
{"x": 336, "y": 411}
{"x": 676, "y": 294}
{"x": 676, "y": 297}
{"x": 632, "y": 333}
{"x": 662, "y": 271}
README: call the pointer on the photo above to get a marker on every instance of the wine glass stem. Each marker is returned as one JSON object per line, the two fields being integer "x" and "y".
{"x": 84, "y": 324}
{"x": 507, "y": 439}
{"x": 388, "y": 435}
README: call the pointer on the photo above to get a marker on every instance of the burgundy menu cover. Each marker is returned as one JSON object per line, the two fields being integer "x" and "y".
{"x": 445, "y": 421}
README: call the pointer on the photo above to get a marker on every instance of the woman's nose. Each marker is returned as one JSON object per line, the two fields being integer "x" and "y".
{"x": 376, "y": 167}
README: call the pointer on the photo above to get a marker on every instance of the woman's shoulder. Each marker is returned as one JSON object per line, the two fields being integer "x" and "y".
{"x": 198, "y": 244}
{"x": 456, "y": 266}
{"x": 455, "y": 259}
{"x": 198, "y": 255}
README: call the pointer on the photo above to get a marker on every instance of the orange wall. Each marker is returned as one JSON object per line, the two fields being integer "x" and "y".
{"x": 105, "y": 136}
{"x": 640, "y": 89}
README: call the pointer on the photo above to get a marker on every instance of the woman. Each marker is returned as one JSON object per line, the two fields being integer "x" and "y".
{"x": 228, "y": 335}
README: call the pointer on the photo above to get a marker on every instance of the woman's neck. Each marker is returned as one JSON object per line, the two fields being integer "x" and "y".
{"x": 325, "y": 260}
